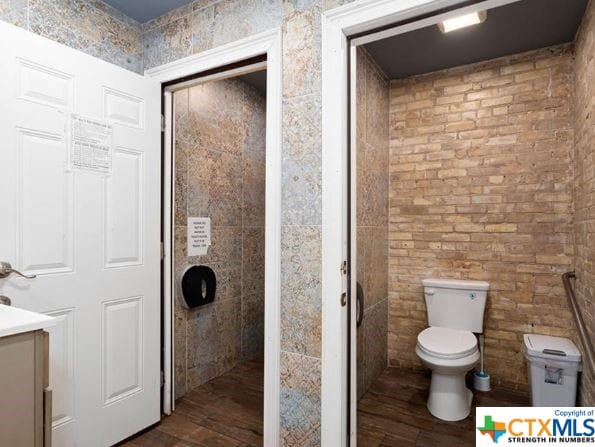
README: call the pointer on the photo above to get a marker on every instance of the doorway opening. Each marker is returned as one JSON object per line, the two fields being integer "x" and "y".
{"x": 218, "y": 208}
{"x": 221, "y": 113}
{"x": 451, "y": 137}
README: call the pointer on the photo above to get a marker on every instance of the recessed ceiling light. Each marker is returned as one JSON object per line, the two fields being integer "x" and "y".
{"x": 463, "y": 21}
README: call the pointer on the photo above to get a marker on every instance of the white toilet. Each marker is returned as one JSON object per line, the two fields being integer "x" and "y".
{"x": 449, "y": 346}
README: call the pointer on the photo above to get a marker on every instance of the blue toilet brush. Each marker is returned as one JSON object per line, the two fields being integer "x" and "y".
{"x": 481, "y": 379}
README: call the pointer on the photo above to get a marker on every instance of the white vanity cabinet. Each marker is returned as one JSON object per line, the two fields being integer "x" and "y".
{"x": 25, "y": 399}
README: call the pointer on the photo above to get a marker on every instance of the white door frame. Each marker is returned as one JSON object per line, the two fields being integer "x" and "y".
{"x": 363, "y": 16}
{"x": 269, "y": 43}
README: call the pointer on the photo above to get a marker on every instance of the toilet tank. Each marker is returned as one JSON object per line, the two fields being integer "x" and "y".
{"x": 455, "y": 303}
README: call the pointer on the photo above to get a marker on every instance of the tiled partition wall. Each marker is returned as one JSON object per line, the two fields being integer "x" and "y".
{"x": 221, "y": 175}
{"x": 207, "y": 24}
{"x": 481, "y": 188}
{"x": 372, "y": 218}
{"x": 584, "y": 184}
{"x": 90, "y": 26}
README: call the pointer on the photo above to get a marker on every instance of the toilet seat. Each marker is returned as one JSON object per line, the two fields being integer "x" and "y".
{"x": 446, "y": 343}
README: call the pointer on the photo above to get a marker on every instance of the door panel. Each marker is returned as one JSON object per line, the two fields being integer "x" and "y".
{"x": 92, "y": 240}
{"x": 62, "y": 367}
{"x": 123, "y": 210}
{"x": 44, "y": 85}
{"x": 122, "y": 353}
{"x": 44, "y": 194}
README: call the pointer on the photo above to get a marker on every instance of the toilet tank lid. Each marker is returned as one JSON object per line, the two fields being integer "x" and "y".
{"x": 459, "y": 284}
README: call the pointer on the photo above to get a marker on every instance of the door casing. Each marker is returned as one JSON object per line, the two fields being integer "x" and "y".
{"x": 267, "y": 43}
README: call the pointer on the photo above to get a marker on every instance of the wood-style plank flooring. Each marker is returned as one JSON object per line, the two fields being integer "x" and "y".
{"x": 227, "y": 412}
{"x": 393, "y": 413}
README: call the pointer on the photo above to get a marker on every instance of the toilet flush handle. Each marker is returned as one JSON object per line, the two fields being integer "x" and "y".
{"x": 430, "y": 292}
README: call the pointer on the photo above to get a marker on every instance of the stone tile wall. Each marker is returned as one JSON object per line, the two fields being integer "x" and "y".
{"x": 372, "y": 217}
{"x": 481, "y": 188}
{"x": 221, "y": 175}
{"x": 90, "y": 26}
{"x": 584, "y": 184}
{"x": 204, "y": 24}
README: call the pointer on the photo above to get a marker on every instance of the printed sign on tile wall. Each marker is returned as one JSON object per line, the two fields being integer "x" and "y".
{"x": 199, "y": 235}
{"x": 91, "y": 142}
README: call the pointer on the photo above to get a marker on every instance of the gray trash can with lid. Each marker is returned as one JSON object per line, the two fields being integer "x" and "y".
{"x": 553, "y": 364}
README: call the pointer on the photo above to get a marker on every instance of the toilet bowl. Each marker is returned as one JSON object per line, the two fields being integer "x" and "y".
{"x": 448, "y": 347}
{"x": 449, "y": 353}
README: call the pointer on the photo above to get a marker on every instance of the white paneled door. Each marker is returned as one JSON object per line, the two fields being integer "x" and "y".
{"x": 92, "y": 238}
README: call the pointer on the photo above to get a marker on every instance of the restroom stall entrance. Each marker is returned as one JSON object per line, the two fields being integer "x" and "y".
{"x": 460, "y": 167}
{"x": 219, "y": 170}
{"x": 212, "y": 159}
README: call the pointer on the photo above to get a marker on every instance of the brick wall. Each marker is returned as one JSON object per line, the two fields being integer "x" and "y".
{"x": 584, "y": 185}
{"x": 481, "y": 188}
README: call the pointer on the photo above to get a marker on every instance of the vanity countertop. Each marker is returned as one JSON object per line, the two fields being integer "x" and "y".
{"x": 17, "y": 321}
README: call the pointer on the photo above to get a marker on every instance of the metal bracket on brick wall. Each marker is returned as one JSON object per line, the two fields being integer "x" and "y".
{"x": 585, "y": 340}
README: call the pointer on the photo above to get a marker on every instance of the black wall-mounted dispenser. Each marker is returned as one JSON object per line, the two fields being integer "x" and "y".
{"x": 199, "y": 285}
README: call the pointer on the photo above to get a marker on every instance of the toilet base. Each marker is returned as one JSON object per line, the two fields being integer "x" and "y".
{"x": 450, "y": 399}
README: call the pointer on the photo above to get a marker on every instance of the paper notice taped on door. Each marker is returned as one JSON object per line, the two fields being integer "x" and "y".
{"x": 199, "y": 235}
{"x": 91, "y": 144}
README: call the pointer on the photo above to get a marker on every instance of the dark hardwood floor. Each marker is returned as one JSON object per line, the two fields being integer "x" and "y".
{"x": 393, "y": 413}
{"x": 227, "y": 412}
